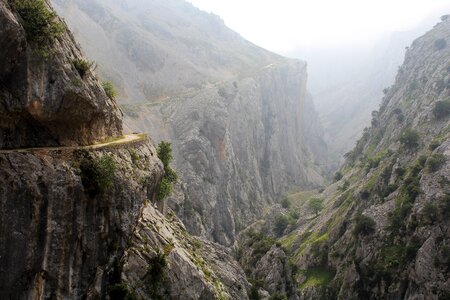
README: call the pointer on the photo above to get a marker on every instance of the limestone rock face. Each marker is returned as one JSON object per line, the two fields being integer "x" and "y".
{"x": 195, "y": 269}
{"x": 44, "y": 100}
{"x": 60, "y": 229}
{"x": 236, "y": 148}
{"x": 243, "y": 127}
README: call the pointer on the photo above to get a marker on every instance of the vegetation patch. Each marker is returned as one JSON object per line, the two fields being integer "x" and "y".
{"x": 430, "y": 214}
{"x": 170, "y": 176}
{"x": 364, "y": 225}
{"x": 285, "y": 203}
{"x": 441, "y": 109}
{"x": 121, "y": 291}
{"x": 82, "y": 66}
{"x": 315, "y": 205}
{"x": 435, "y": 161}
{"x": 320, "y": 276}
{"x": 109, "y": 88}
{"x": 97, "y": 175}
{"x": 260, "y": 244}
{"x": 40, "y": 23}
{"x": 287, "y": 242}
{"x": 410, "y": 138}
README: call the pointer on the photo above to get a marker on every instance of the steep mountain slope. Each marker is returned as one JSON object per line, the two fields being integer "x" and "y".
{"x": 244, "y": 129}
{"x": 384, "y": 231}
{"x": 74, "y": 219}
{"x": 154, "y": 49}
{"x": 347, "y": 85}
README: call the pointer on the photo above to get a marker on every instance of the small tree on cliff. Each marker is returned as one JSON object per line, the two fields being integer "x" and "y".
{"x": 170, "y": 176}
{"x": 315, "y": 205}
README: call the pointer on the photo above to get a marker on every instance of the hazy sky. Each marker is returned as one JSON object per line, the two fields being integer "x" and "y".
{"x": 283, "y": 25}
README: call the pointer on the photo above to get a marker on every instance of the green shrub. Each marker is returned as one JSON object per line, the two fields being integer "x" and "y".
{"x": 389, "y": 189}
{"x": 170, "y": 176}
{"x": 445, "y": 206}
{"x": 410, "y": 138}
{"x": 364, "y": 225}
{"x": 98, "y": 175}
{"x": 337, "y": 176}
{"x": 165, "y": 189}
{"x": 106, "y": 168}
{"x": 260, "y": 244}
{"x": 281, "y": 223}
{"x": 82, "y": 66}
{"x": 430, "y": 213}
{"x": 285, "y": 202}
{"x": 40, "y": 23}
{"x": 315, "y": 205}
{"x": 278, "y": 297}
{"x": 400, "y": 171}
{"x": 120, "y": 291}
{"x": 109, "y": 88}
{"x": 391, "y": 259}
{"x": 318, "y": 277}
{"x": 157, "y": 265}
{"x": 435, "y": 162}
{"x": 442, "y": 109}
{"x": 397, "y": 217}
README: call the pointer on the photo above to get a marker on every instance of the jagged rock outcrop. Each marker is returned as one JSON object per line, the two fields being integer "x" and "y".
{"x": 243, "y": 127}
{"x": 189, "y": 268}
{"x": 43, "y": 99}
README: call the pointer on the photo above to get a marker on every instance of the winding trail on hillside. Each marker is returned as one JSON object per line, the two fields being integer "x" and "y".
{"x": 120, "y": 141}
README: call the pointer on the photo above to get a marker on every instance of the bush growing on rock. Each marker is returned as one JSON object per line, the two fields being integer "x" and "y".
{"x": 441, "y": 109}
{"x": 109, "y": 88}
{"x": 157, "y": 265}
{"x": 315, "y": 205}
{"x": 435, "y": 162}
{"x": 410, "y": 138}
{"x": 170, "y": 176}
{"x": 98, "y": 175}
{"x": 430, "y": 213}
{"x": 285, "y": 202}
{"x": 337, "y": 176}
{"x": 278, "y": 297}
{"x": 41, "y": 24}
{"x": 364, "y": 225}
{"x": 120, "y": 291}
{"x": 83, "y": 66}
{"x": 281, "y": 223}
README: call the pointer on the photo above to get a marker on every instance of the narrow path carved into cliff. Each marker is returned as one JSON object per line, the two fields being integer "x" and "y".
{"x": 121, "y": 141}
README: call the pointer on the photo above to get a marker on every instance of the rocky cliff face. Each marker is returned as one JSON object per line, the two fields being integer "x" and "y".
{"x": 44, "y": 101}
{"x": 235, "y": 148}
{"x": 384, "y": 230}
{"x": 65, "y": 212}
{"x": 78, "y": 222}
{"x": 62, "y": 227}
{"x": 243, "y": 134}
{"x": 189, "y": 268}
